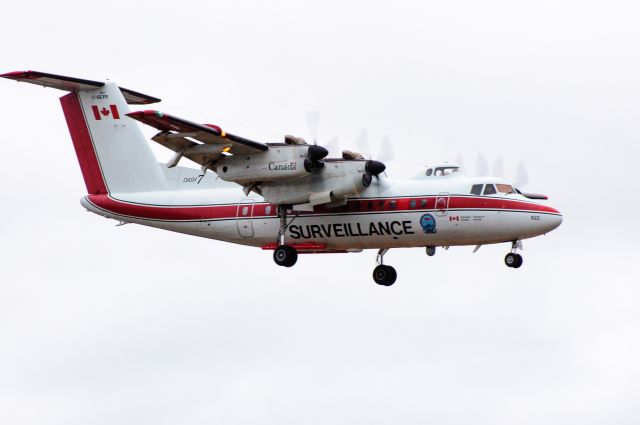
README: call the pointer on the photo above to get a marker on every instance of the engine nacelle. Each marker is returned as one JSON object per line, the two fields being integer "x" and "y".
{"x": 278, "y": 163}
{"x": 337, "y": 180}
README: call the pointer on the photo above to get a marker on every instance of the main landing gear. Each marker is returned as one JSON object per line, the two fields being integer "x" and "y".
{"x": 384, "y": 275}
{"x": 514, "y": 259}
{"x": 284, "y": 255}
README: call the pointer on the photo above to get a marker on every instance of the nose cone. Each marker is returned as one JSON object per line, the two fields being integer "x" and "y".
{"x": 552, "y": 221}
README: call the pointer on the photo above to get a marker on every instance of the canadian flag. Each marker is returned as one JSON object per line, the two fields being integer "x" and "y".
{"x": 454, "y": 218}
{"x": 99, "y": 113}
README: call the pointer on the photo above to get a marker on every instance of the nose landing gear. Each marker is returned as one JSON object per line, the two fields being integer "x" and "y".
{"x": 514, "y": 259}
{"x": 382, "y": 274}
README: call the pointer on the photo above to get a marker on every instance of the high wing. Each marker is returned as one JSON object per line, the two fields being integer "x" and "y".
{"x": 176, "y": 134}
{"x": 71, "y": 84}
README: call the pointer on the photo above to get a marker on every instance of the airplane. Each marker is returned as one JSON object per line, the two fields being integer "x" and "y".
{"x": 288, "y": 197}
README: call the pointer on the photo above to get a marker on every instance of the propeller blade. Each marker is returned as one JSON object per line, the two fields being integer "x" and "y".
{"x": 313, "y": 122}
{"x": 460, "y": 161}
{"x": 482, "y": 166}
{"x": 522, "y": 177}
{"x": 362, "y": 142}
{"x": 386, "y": 150}
{"x": 333, "y": 146}
{"x": 498, "y": 168}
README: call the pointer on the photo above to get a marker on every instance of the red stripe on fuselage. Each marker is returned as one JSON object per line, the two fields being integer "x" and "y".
{"x": 459, "y": 202}
{"x": 217, "y": 212}
{"x": 82, "y": 143}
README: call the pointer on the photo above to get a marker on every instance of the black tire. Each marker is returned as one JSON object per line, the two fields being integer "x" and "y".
{"x": 393, "y": 275}
{"x": 510, "y": 259}
{"x": 384, "y": 275}
{"x": 518, "y": 262}
{"x": 285, "y": 256}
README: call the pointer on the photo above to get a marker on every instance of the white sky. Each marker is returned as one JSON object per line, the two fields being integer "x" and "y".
{"x": 132, "y": 325}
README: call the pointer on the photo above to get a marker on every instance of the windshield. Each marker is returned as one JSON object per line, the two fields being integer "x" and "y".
{"x": 505, "y": 188}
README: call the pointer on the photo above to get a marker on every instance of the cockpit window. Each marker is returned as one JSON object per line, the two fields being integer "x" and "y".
{"x": 476, "y": 189}
{"x": 505, "y": 188}
{"x": 489, "y": 189}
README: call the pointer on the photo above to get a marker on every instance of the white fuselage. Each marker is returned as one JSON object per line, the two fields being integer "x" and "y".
{"x": 436, "y": 211}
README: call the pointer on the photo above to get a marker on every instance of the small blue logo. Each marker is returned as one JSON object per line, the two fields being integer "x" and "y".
{"x": 428, "y": 223}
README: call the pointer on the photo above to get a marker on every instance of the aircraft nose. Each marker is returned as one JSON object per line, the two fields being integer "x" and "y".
{"x": 553, "y": 221}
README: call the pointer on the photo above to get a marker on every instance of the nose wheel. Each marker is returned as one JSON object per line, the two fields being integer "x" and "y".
{"x": 384, "y": 275}
{"x": 513, "y": 259}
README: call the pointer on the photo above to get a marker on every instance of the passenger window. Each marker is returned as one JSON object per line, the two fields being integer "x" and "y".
{"x": 369, "y": 205}
{"x": 393, "y": 204}
{"x": 476, "y": 189}
{"x": 423, "y": 203}
{"x": 267, "y": 210}
{"x": 489, "y": 190}
{"x": 245, "y": 210}
{"x": 412, "y": 203}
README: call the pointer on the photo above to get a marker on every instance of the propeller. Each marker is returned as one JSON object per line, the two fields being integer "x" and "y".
{"x": 458, "y": 160}
{"x": 498, "y": 168}
{"x": 520, "y": 180}
{"x": 372, "y": 168}
{"x": 362, "y": 143}
{"x": 313, "y": 122}
{"x": 386, "y": 150}
{"x": 315, "y": 155}
{"x": 482, "y": 166}
{"x": 522, "y": 177}
{"x": 333, "y": 146}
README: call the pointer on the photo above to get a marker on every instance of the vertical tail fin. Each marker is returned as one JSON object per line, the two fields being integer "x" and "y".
{"x": 113, "y": 154}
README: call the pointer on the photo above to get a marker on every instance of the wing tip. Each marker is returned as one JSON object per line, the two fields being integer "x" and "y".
{"x": 17, "y": 75}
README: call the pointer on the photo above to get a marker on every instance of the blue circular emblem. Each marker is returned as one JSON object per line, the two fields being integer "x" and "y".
{"x": 428, "y": 223}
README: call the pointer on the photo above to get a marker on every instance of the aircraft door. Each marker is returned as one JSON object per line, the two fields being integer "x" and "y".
{"x": 442, "y": 204}
{"x": 244, "y": 217}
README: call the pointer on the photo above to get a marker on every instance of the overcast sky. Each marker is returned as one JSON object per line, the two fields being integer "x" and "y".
{"x": 132, "y": 325}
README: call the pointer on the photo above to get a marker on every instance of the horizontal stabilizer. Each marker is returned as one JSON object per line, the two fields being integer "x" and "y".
{"x": 72, "y": 84}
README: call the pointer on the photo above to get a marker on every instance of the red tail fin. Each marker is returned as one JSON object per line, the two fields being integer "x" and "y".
{"x": 82, "y": 143}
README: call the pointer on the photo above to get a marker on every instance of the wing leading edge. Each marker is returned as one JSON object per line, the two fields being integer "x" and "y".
{"x": 177, "y": 134}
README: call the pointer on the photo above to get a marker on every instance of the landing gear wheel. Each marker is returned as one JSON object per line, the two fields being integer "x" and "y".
{"x": 384, "y": 275}
{"x": 513, "y": 260}
{"x": 518, "y": 261}
{"x": 285, "y": 256}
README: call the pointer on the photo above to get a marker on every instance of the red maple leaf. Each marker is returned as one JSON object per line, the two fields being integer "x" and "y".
{"x": 105, "y": 111}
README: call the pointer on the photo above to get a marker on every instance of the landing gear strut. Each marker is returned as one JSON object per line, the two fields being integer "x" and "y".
{"x": 514, "y": 259}
{"x": 284, "y": 255}
{"x": 382, "y": 274}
